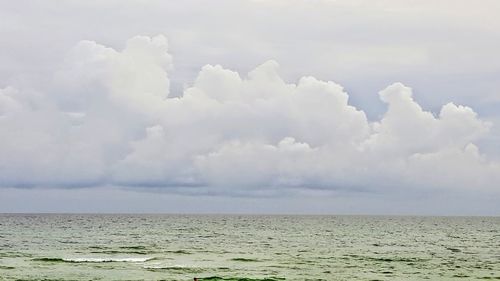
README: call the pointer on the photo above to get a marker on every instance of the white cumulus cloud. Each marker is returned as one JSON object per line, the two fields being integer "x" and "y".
{"x": 108, "y": 120}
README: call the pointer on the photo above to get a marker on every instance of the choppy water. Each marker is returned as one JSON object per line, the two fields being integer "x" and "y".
{"x": 219, "y": 247}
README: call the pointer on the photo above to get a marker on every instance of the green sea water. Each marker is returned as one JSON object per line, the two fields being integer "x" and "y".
{"x": 247, "y": 247}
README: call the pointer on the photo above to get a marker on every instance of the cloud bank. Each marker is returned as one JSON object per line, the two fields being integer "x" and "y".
{"x": 107, "y": 119}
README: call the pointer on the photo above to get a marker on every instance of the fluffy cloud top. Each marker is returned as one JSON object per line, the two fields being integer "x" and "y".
{"x": 108, "y": 120}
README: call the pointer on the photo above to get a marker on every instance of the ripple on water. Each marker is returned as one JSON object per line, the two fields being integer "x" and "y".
{"x": 257, "y": 248}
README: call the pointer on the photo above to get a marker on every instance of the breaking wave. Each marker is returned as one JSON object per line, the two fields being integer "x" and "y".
{"x": 95, "y": 260}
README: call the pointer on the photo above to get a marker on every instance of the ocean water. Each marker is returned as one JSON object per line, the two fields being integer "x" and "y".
{"x": 246, "y": 247}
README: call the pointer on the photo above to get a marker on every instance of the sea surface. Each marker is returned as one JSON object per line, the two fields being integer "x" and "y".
{"x": 247, "y": 247}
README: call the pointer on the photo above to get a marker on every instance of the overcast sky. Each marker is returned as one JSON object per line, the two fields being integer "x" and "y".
{"x": 349, "y": 107}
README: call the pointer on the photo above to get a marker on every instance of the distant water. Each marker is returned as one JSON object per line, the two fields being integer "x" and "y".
{"x": 220, "y": 247}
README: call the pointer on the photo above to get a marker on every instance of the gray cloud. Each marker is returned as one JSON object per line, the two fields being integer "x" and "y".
{"x": 113, "y": 200}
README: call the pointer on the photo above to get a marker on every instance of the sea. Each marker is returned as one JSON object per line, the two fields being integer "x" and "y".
{"x": 247, "y": 247}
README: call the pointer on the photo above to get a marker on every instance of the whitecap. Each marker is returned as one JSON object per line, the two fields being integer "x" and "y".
{"x": 164, "y": 266}
{"x": 118, "y": 259}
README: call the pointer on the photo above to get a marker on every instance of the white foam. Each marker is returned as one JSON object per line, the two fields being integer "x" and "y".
{"x": 163, "y": 266}
{"x": 125, "y": 259}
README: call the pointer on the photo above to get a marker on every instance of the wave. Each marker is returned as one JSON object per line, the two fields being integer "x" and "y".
{"x": 178, "y": 268}
{"x": 184, "y": 252}
{"x": 6, "y": 267}
{"x": 245, "y": 259}
{"x": 95, "y": 260}
{"x": 134, "y": 247}
{"x": 219, "y": 278}
{"x": 182, "y": 268}
{"x": 111, "y": 252}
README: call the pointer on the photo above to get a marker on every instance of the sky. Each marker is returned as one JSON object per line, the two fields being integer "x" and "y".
{"x": 307, "y": 107}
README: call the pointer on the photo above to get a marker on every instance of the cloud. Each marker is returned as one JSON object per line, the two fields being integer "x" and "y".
{"x": 108, "y": 120}
{"x": 408, "y": 127}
